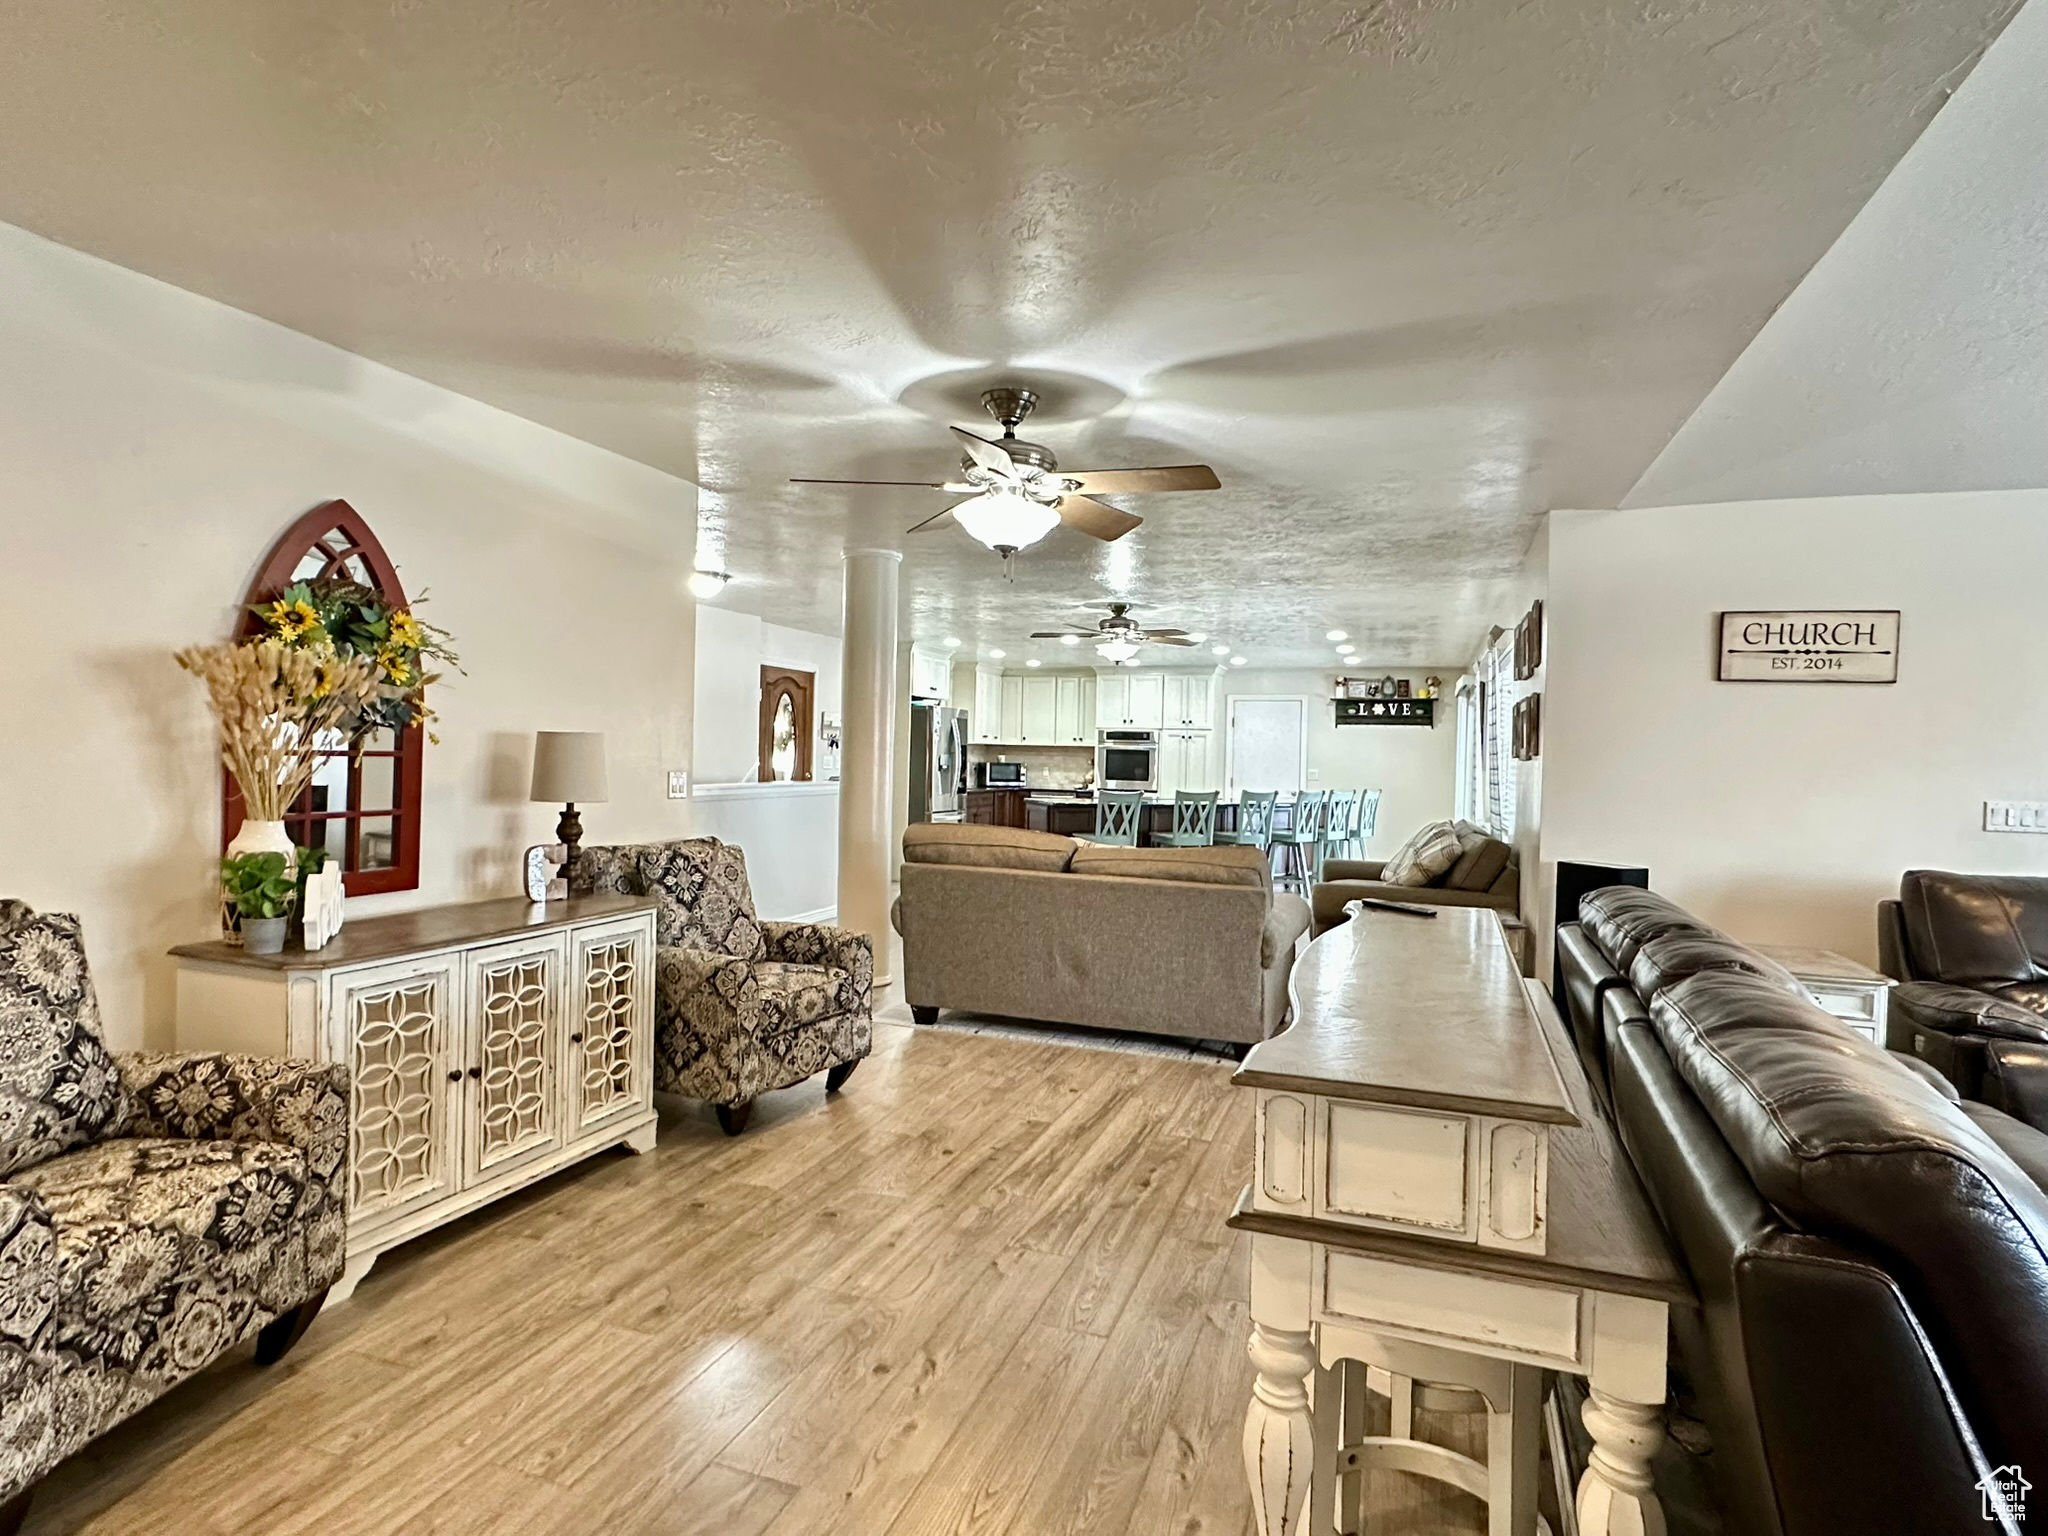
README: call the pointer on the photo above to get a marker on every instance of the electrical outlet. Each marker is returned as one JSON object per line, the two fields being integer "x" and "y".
{"x": 678, "y": 784}
{"x": 2016, "y": 816}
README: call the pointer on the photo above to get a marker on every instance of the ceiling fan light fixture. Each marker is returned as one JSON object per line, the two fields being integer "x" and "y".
{"x": 1005, "y": 521}
{"x": 706, "y": 584}
{"x": 1117, "y": 652}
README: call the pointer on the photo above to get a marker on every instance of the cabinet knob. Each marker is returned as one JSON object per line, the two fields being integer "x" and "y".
{"x": 455, "y": 1076}
{"x": 476, "y": 1071}
{"x": 577, "y": 1038}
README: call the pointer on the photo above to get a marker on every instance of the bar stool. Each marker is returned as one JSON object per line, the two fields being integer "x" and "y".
{"x": 1117, "y": 813}
{"x": 1194, "y": 820}
{"x": 1339, "y": 811}
{"x": 1254, "y": 820}
{"x": 1303, "y": 841}
{"x": 1366, "y": 821}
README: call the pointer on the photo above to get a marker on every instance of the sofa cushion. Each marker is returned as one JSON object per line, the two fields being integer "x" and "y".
{"x": 1846, "y": 1143}
{"x": 953, "y": 842}
{"x": 1286, "y": 921}
{"x": 58, "y": 1084}
{"x": 1620, "y": 919}
{"x": 1426, "y": 857}
{"x": 1987, "y": 931}
{"x": 1481, "y": 859}
{"x": 1666, "y": 961}
{"x": 794, "y": 996}
{"x": 1226, "y": 865}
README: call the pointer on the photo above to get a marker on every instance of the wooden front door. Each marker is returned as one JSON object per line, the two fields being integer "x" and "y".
{"x": 785, "y": 746}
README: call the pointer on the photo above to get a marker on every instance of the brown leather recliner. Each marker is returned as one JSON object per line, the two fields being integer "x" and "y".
{"x": 1871, "y": 1256}
{"x": 1970, "y": 953}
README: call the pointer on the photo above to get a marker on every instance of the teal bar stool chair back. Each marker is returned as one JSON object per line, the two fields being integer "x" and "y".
{"x": 1338, "y": 812}
{"x": 1300, "y": 846}
{"x": 1117, "y": 813}
{"x": 1194, "y": 820}
{"x": 1366, "y": 821}
{"x": 1254, "y": 820}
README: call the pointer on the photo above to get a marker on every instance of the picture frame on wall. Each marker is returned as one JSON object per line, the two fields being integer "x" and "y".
{"x": 1529, "y": 643}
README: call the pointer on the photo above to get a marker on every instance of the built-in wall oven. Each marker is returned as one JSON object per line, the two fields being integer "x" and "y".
{"x": 1127, "y": 760}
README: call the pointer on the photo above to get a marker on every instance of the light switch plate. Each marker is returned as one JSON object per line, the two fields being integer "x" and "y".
{"x": 678, "y": 784}
{"x": 2016, "y": 816}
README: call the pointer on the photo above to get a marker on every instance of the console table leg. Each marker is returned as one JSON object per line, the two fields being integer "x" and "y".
{"x": 1279, "y": 1434}
{"x": 1279, "y": 1428}
{"x": 353, "y": 1268}
{"x": 1616, "y": 1495}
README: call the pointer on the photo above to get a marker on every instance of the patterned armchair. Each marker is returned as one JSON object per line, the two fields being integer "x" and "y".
{"x": 741, "y": 1005}
{"x": 155, "y": 1210}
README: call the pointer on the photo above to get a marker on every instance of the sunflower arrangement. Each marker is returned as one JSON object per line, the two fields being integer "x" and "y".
{"x": 353, "y": 621}
{"x": 276, "y": 703}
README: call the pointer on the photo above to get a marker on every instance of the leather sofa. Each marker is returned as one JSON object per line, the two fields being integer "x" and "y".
{"x": 1970, "y": 953}
{"x": 1188, "y": 942}
{"x": 1870, "y": 1254}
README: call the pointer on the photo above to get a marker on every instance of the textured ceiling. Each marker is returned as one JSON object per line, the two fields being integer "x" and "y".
{"x": 1407, "y": 272}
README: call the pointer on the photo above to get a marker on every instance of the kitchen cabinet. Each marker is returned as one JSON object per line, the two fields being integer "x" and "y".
{"x": 1130, "y": 701}
{"x": 931, "y": 675}
{"x": 488, "y": 1045}
{"x": 1185, "y": 762}
{"x": 1188, "y": 700}
{"x": 996, "y": 807}
{"x": 1039, "y": 711}
{"x": 1011, "y": 725}
{"x": 985, "y": 718}
{"x": 1073, "y": 711}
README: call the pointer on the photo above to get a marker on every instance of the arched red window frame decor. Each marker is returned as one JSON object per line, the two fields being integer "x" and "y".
{"x": 337, "y": 532}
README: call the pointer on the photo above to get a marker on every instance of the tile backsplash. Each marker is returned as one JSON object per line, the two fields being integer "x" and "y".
{"x": 1045, "y": 767}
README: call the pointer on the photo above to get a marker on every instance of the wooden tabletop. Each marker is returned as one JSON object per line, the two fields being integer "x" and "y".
{"x": 1429, "y": 1013}
{"x": 1602, "y": 1232}
{"x": 411, "y": 933}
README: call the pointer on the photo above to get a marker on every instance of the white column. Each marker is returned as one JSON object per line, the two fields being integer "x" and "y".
{"x": 867, "y": 759}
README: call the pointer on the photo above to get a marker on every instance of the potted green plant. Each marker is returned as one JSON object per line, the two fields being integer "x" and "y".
{"x": 261, "y": 885}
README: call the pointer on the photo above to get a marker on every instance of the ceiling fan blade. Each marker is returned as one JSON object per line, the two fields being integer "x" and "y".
{"x": 1161, "y": 634}
{"x": 1123, "y": 482}
{"x": 921, "y": 485}
{"x": 1097, "y": 519}
{"x": 986, "y": 454}
{"x": 1159, "y": 639}
{"x": 935, "y": 517}
{"x": 1061, "y": 634}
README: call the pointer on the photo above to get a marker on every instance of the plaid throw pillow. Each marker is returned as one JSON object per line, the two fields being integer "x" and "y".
{"x": 1425, "y": 857}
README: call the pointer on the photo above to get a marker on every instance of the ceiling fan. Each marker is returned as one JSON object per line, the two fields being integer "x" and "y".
{"x": 1118, "y": 637}
{"x": 1018, "y": 493}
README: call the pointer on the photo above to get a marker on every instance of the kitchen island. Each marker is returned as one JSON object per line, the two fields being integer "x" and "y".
{"x": 1074, "y": 815}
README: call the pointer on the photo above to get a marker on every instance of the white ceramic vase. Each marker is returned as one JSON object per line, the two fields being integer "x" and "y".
{"x": 254, "y": 837}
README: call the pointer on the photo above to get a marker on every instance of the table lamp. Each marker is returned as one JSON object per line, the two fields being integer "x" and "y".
{"x": 568, "y": 770}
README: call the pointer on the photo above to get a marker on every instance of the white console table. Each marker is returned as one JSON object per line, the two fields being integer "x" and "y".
{"x": 1436, "y": 1195}
{"x": 488, "y": 1044}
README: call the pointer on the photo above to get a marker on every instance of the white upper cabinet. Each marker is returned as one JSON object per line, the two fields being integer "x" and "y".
{"x": 1113, "y": 700}
{"x": 1074, "y": 711}
{"x": 931, "y": 675}
{"x": 1187, "y": 701}
{"x": 1012, "y": 726}
{"x": 1131, "y": 701}
{"x": 985, "y": 719}
{"x": 1039, "y": 711}
{"x": 1148, "y": 700}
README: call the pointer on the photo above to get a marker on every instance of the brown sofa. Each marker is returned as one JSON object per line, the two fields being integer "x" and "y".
{"x": 1487, "y": 874}
{"x": 1191, "y": 942}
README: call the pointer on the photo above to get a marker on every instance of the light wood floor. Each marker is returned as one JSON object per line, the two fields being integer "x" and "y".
{"x": 987, "y": 1289}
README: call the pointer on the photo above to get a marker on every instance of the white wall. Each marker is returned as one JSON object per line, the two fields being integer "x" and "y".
{"x": 153, "y": 445}
{"x": 1414, "y": 768}
{"x": 1784, "y": 812}
{"x": 1914, "y": 356}
{"x": 790, "y": 832}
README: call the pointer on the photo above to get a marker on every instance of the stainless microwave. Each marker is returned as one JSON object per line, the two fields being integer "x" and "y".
{"x": 1002, "y": 775}
{"x": 1127, "y": 760}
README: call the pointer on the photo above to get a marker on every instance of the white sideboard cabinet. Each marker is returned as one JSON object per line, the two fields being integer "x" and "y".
{"x": 488, "y": 1045}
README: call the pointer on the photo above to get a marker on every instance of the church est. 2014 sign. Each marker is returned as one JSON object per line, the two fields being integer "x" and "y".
{"x": 1811, "y": 646}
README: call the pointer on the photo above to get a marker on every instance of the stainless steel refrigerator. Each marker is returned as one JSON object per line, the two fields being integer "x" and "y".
{"x": 938, "y": 762}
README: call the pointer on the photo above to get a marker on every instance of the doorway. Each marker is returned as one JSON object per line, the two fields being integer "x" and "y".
{"x": 785, "y": 743}
{"x": 1268, "y": 743}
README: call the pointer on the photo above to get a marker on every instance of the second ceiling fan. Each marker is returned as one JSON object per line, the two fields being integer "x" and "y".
{"x": 1018, "y": 493}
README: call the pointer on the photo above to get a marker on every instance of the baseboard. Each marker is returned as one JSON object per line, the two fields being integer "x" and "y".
{"x": 821, "y": 915}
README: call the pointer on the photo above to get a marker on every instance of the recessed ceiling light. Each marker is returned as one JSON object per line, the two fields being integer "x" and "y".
{"x": 705, "y": 585}
{"x": 996, "y": 654}
{"x": 951, "y": 642}
{"x": 1070, "y": 639}
{"x": 1336, "y": 634}
{"x": 1032, "y": 662}
{"x": 1347, "y": 649}
{"x": 1197, "y": 639}
{"x": 1237, "y": 661}
{"x": 1219, "y": 650}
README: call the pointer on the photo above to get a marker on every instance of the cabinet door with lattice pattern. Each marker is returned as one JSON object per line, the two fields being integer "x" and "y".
{"x": 395, "y": 1025}
{"x": 514, "y": 1053}
{"x": 611, "y": 1021}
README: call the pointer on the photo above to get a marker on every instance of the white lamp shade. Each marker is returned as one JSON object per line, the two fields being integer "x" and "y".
{"x": 1005, "y": 520}
{"x": 568, "y": 768}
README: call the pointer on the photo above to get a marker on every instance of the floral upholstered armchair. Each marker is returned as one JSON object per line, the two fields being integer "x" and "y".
{"x": 741, "y": 1005}
{"x": 155, "y": 1210}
